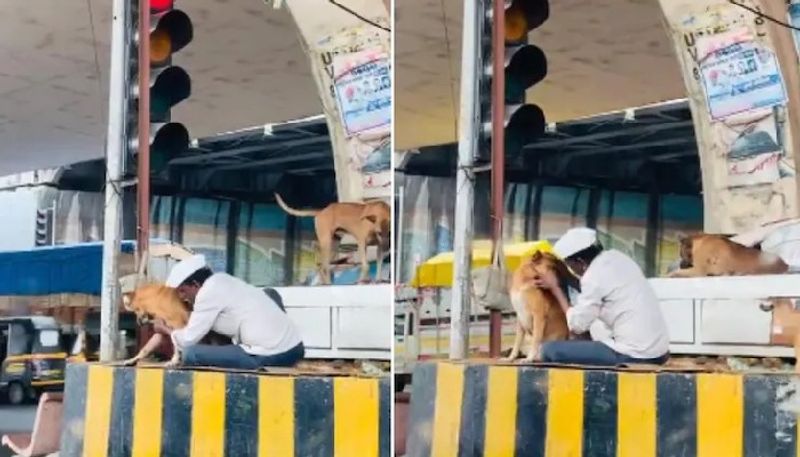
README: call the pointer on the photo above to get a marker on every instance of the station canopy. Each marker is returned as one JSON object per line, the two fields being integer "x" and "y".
{"x": 246, "y": 63}
{"x": 650, "y": 148}
{"x": 602, "y": 56}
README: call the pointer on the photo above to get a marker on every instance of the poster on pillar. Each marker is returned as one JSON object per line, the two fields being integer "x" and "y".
{"x": 738, "y": 74}
{"x": 741, "y": 84}
{"x": 362, "y": 83}
{"x": 751, "y": 147}
{"x": 351, "y": 63}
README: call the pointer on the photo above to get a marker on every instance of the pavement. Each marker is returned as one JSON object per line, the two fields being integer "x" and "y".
{"x": 15, "y": 419}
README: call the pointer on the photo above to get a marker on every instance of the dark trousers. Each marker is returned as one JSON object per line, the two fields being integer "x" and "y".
{"x": 592, "y": 353}
{"x": 233, "y": 356}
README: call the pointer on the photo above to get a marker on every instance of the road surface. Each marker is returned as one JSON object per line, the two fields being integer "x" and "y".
{"x": 15, "y": 419}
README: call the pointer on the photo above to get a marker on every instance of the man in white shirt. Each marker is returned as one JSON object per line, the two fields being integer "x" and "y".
{"x": 262, "y": 333}
{"x": 615, "y": 292}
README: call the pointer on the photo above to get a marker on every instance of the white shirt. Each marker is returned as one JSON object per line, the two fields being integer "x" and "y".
{"x": 615, "y": 291}
{"x": 231, "y": 307}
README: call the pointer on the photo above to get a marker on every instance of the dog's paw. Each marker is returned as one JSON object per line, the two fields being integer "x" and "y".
{"x": 130, "y": 362}
{"x": 508, "y": 359}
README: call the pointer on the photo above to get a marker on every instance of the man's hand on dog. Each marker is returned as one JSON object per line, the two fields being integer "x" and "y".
{"x": 546, "y": 280}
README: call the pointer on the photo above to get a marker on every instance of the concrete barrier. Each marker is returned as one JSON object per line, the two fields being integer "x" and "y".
{"x": 116, "y": 411}
{"x": 491, "y": 410}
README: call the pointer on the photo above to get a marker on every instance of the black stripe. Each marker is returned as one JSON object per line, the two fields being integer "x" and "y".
{"x": 473, "y": 411}
{"x": 420, "y": 417}
{"x": 531, "y": 412}
{"x": 74, "y": 410}
{"x": 241, "y": 415}
{"x": 768, "y": 430}
{"x": 120, "y": 436}
{"x": 600, "y": 414}
{"x": 787, "y": 392}
{"x": 313, "y": 405}
{"x": 176, "y": 429}
{"x": 677, "y": 415}
{"x": 385, "y": 419}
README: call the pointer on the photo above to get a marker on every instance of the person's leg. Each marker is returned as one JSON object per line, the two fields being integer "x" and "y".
{"x": 284, "y": 359}
{"x": 579, "y": 352}
{"x": 655, "y": 361}
{"x": 228, "y": 356}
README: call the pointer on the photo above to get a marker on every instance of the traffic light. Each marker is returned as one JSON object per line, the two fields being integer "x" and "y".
{"x": 170, "y": 31}
{"x": 524, "y": 65}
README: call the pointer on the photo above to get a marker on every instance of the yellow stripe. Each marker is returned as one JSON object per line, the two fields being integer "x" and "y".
{"x": 564, "y": 413}
{"x": 447, "y": 410}
{"x": 355, "y": 417}
{"x": 275, "y": 416}
{"x": 208, "y": 415}
{"x": 720, "y": 415}
{"x": 147, "y": 409}
{"x": 24, "y": 357}
{"x": 636, "y": 415}
{"x": 501, "y": 412}
{"x": 46, "y": 383}
{"x": 98, "y": 410}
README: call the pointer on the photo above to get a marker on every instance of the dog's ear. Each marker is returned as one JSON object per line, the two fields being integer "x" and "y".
{"x": 370, "y": 217}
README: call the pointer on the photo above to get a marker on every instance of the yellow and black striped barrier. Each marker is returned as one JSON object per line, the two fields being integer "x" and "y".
{"x": 116, "y": 411}
{"x": 493, "y": 411}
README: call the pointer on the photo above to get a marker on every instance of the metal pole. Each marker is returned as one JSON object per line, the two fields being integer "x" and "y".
{"x": 115, "y": 151}
{"x": 399, "y": 227}
{"x": 469, "y": 126}
{"x": 143, "y": 158}
{"x": 498, "y": 153}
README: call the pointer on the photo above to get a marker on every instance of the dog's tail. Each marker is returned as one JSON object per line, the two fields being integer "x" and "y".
{"x": 292, "y": 211}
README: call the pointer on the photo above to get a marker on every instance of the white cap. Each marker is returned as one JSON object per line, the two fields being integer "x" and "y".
{"x": 185, "y": 268}
{"x": 575, "y": 241}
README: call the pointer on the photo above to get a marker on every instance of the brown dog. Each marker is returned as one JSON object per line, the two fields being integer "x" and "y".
{"x": 716, "y": 255}
{"x": 157, "y": 302}
{"x": 369, "y": 223}
{"x": 538, "y": 313}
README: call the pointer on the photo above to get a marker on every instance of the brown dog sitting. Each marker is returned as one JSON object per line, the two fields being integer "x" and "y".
{"x": 369, "y": 223}
{"x": 538, "y": 313}
{"x": 716, "y": 255}
{"x": 159, "y": 303}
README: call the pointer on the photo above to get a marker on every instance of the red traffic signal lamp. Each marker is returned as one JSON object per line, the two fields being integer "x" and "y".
{"x": 159, "y": 6}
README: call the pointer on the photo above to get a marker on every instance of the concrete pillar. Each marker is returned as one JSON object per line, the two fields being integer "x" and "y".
{"x": 748, "y": 125}
{"x": 337, "y": 41}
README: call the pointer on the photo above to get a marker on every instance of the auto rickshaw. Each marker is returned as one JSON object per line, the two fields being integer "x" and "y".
{"x": 32, "y": 357}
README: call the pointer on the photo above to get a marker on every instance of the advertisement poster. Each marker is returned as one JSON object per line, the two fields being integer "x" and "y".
{"x": 751, "y": 149}
{"x": 364, "y": 91}
{"x": 739, "y": 75}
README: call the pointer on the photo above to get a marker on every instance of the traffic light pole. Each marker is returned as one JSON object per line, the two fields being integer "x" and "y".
{"x": 115, "y": 153}
{"x": 498, "y": 154}
{"x": 143, "y": 157}
{"x": 469, "y": 126}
